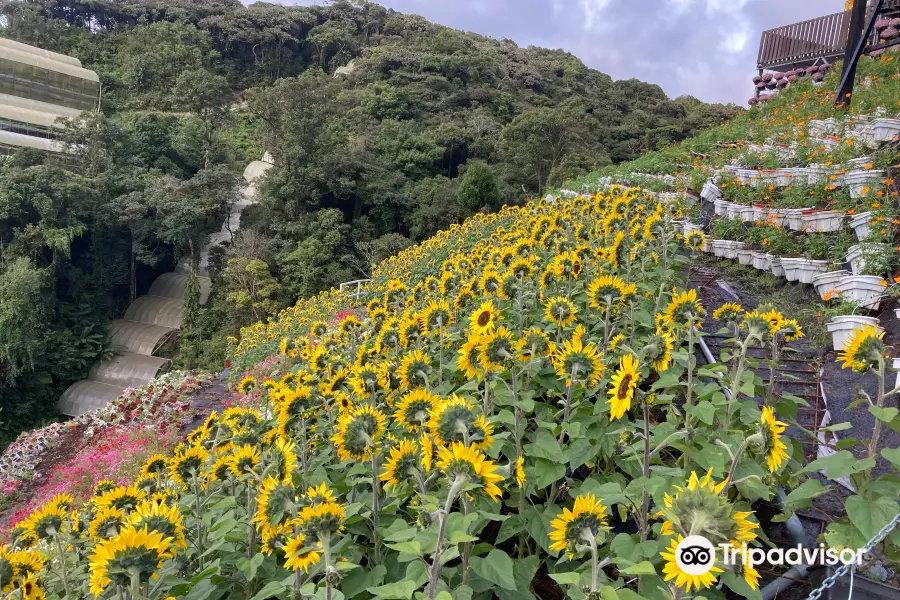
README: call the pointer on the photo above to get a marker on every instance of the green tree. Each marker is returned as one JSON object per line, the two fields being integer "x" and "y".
{"x": 206, "y": 96}
{"x": 478, "y": 189}
{"x": 252, "y": 292}
{"x": 23, "y": 317}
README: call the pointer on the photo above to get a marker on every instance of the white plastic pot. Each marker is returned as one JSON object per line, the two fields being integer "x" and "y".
{"x": 793, "y": 218}
{"x": 841, "y": 328}
{"x": 745, "y": 257}
{"x": 856, "y": 255}
{"x": 760, "y": 213}
{"x": 885, "y": 130}
{"x": 857, "y": 181}
{"x": 826, "y": 282}
{"x": 791, "y": 268}
{"x": 720, "y": 206}
{"x": 816, "y": 174}
{"x": 710, "y": 191}
{"x": 730, "y": 249}
{"x": 865, "y": 290}
{"x": 775, "y": 265}
{"x": 761, "y": 260}
{"x": 860, "y": 224}
{"x": 747, "y": 214}
{"x": 807, "y": 269}
{"x": 896, "y": 365}
{"x": 823, "y": 221}
{"x": 733, "y": 210}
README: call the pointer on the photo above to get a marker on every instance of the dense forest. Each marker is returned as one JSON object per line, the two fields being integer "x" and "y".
{"x": 384, "y": 128}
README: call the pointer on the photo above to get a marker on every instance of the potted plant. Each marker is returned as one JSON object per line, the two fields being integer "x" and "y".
{"x": 826, "y": 282}
{"x": 842, "y": 318}
{"x": 816, "y": 259}
{"x": 779, "y": 243}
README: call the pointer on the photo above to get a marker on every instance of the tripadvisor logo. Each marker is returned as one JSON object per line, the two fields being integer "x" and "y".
{"x": 696, "y": 555}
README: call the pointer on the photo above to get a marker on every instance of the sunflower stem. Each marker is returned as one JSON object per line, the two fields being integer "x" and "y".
{"x": 734, "y": 464}
{"x": 441, "y": 353}
{"x": 375, "y": 508}
{"x": 645, "y": 503}
{"x": 736, "y": 381}
{"x": 326, "y": 549}
{"x": 567, "y": 408}
{"x": 595, "y": 567}
{"x": 876, "y": 432}
{"x": 199, "y": 520}
{"x": 62, "y": 564}
{"x": 606, "y": 323}
{"x": 251, "y": 534}
{"x": 435, "y": 574}
{"x": 467, "y": 547}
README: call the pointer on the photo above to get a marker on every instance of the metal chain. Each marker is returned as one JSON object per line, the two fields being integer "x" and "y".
{"x": 843, "y": 569}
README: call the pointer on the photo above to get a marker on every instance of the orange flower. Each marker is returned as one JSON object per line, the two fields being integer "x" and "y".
{"x": 830, "y": 294}
{"x": 883, "y": 282}
{"x": 851, "y": 212}
{"x": 874, "y": 204}
{"x": 868, "y": 166}
{"x": 897, "y": 279}
{"x": 865, "y": 191}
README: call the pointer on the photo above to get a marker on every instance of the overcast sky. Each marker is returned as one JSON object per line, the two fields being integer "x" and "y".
{"x": 706, "y": 48}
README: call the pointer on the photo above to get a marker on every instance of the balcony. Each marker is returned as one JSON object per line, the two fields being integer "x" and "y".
{"x": 808, "y": 42}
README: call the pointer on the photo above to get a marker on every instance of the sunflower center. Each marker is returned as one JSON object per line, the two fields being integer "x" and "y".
{"x": 624, "y": 386}
{"x": 484, "y": 318}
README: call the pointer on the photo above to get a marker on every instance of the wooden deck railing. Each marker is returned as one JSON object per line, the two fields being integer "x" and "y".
{"x": 823, "y": 37}
{"x": 805, "y": 42}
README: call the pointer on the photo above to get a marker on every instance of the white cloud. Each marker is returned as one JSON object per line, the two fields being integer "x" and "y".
{"x": 592, "y": 11}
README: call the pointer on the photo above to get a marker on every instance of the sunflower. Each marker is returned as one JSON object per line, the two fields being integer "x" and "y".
{"x": 243, "y": 460}
{"x": 791, "y": 330}
{"x": 413, "y": 409}
{"x": 285, "y": 459}
{"x": 560, "y": 311}
{"x": 489, "y": 283}
{"x": 671, "y": 570}
{"x": 415, "y": 369}
{"x": 468, "y": 357}
{"x": 776, "y": 450}
{"x": 427, "y": 452}
{"x": 319, "y": 494}
{"x": 699, "y": 508}
{"x": 402, "y": 463}
{"x": 459, "y": 460}
{"x": 685, "y": 308}
{"x": 155, "y": 465}
{"x": 695, "y": 239}
{"x": 187, "y": 464}
{"x": 864, "y": 349}
{"x": 497, "y": 350}
{"x": 623, "y": 384}
{"x": 578, "y": 528}
{"x": 103, "y": 486}
{"x": 350, "y": 324}
{"x": 520, "y": 471}
{"x": 134, "y": 553}
{"x": 482, "y": 321}
{"x": 577, "y": 362}
{"x": 320, "y": 328}
{"x": 729, "y": 312}
{"x": 658, "y": 349}
{"x": 247, "y": 385}
{"x": 534, "y": 344}
{"x": 161, "y": 518}
{"x": 411, "y": 330}
{"x": 45, "y": 523}
{"x": 26, "y": 560}
{"x": 437, "y": 315}
{"x": 298, "y": 556}
{"x": 106, "y": 523}
{"x": 322, "y": 520}
{"x": 357, "y": 432}
{"x": 751, "y": 576}
{"x": 124, "y": 497}
{"x": 30, "y": 589}
{"x": 452, "y": 419}
{"x": 275, "y": 538}
{"x": 275, "y": 504}
{"x": 364, "y": 380}
{"x": 605, "y": 291}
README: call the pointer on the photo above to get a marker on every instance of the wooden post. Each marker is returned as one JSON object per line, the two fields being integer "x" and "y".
{"x": 860, "y": 30}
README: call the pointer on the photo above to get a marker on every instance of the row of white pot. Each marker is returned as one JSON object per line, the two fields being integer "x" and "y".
{"x": 796, "y": 219}
{"x": 867, "y": 131}
{"x": 856, "y": 176}
{"x": 799, "y": 269}
{"x": 864, "y": 290}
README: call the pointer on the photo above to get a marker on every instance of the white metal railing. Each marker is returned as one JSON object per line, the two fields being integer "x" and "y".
{"x": 347, "y": 285}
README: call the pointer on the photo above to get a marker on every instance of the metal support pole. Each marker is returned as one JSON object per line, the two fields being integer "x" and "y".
{"x": 860, "y": 30}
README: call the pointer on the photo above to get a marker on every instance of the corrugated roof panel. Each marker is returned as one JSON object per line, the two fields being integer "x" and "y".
{"x": 83, "y": 396}
{"x": 139, "y": 338}
{"x": 25, "y": 115}
{"x": 46, "y": 63}
{"x": 171, "y": 285}
{"x": 37, "y": 105}
{"x": 127, "y": 370}
{"x": 70, "y": 60}
{"x": 156, "y": 310}
{"x": 27, "y": 141}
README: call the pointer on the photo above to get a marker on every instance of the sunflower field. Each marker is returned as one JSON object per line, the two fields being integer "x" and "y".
{"x": 514, "y": 410}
